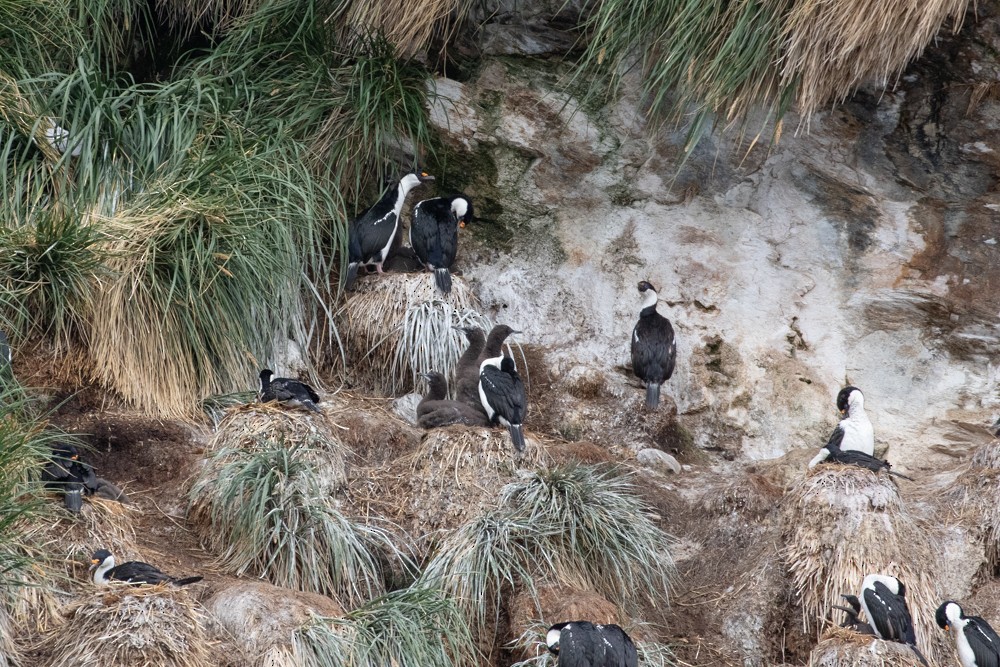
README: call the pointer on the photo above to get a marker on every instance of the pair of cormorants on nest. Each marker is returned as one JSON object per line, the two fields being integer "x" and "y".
{"x": 372, "y": 236}
{"x": 68, "y": 474}
{"x": 134, "y": 572}
{"x": 489, "y": 389}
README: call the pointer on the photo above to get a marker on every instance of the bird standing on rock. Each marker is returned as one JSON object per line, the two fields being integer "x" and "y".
{"x": 372, "y": 233}
{"x": 287, "y": 391}
{"x": 434, "y": 234}
{"x": 584, "y": 644}
{"x": 654, "y": 350}
{"x": 503, "y": 396}
{"x": 133, "y": 572}
{"x": 977, "y": 643}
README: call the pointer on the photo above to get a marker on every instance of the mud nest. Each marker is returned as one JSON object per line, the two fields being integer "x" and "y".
{"x": 125, "y": 625}
{"x": 844, "y": 648}
{"x": 455, "y": 473}
{"x": 399, "y": 325}
{"x": 842, "y": 523}
{"x": 977, "y": 494}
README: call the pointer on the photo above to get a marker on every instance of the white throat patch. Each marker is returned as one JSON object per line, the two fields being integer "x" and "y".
{"x": 552, "y": 639}
{"x": 649, "y": 298}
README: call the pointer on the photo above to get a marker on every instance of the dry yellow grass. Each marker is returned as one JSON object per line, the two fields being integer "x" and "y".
{"x": 841, "y": 524}
{"x": 977, "y": 493}
{"x": 407, "y": 24}
{"x": 844, "y": 648}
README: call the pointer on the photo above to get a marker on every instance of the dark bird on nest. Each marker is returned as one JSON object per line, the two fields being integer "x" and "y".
{"x": 434, "y": 234}
{"x": 503, "y": 396}
{"x": 436, "y": 410}
{"x": 837, "y": 455}
{"x": 654, "y": 350}
{"x": 371, "y": 234}
{"x": 133, "y": 572}
{"x": 584, "y": 644}
{"x": 287, "y": 391}
{"x": 467, "y": 368}
{"x": 851, "y": 620}
{"x": 978, "y": 644}
{"x": 884, "y": 600}
{"x": 67, "y": 473}
{"x": 854, "y": 432}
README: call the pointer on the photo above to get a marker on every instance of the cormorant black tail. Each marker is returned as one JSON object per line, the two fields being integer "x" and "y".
{"x": 652, "y": 395}
{"x": 517, "y": 436}
{"x": 899, "y": 474}
{"x": 352, "y": 275}
{"x": 186, "y": 580}
{"x": 920, "y": 656}
{"x": 443, "y": 279}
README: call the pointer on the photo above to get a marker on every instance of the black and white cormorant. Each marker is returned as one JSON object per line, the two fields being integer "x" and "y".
{"x": 434, "y": 234}
{"x": 435, "y": 410}
{"x": 883, "y": 598}
{"x": 134, "y": 572}
{"x": 503, "y": 396}
{"x": 836, "y": 455}
{"x": 654, "y": 350}
{"x": 854, "y": 432}
{"x": 67, "y": 474}
{"x": 372, "y": 233}
{"x": 467, "y": 368}
{"x": 287, "y": 391}
{"x": 851, "y": 620}
{"x": 584, "y": 644}
{"x": 978, "y": 644}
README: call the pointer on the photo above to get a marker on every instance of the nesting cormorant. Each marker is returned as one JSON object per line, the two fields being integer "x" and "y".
{"x": 851, "y": 620}
{"x": 287, "y": 391}
{"x": 434, "y": 234}
{"x": 371, "y": 234}
{"x": 134, "y": 572}
{"x": 884, "y": 600}
{"x": 835, "y": 455}
{"x": 436, "y": 410}
{"x": 854, "y": 432}
{"x": 503, "y": 396}
{"x": 467, "y": 369}
{"x": 654, "y": 350}
{"x": 66, "y": 473}
{"x": 584, "y": 644}
{"x": 978, "y": 644}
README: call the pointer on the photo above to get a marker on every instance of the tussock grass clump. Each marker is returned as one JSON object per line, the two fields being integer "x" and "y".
{"x": 398, "y": 325}
{"x": 842, "y": 523}
{"x": 411, "y": 626}
{"x": 128, "y": 626}
{"x": 268, "y": 512}
{"x": 977, "y": 492}
{"x": 844, "y": 648}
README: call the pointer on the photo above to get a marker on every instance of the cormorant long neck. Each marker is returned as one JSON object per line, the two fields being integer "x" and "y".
{"x": 102, "y": 570}
{"x": 856, "y": 409}
{"x": 406, "y": 184}
{"x": 494, "y": 343}
{"x": 648, "y": 302}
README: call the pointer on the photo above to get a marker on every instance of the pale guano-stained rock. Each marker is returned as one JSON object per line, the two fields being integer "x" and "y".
{"x": 658, "y": 460}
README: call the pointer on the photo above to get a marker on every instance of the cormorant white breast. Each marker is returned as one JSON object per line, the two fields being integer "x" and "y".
{"x": 883, "y": 598}
{"x": 371, "y": 234}
{"x": 287, "y": 391}
{"x": 134, "y": 572}
{"x": 503, "y": 396}
{"x": 978, "y": 644}
{"x": 654, "y": 350}
{"x": 854, "y": 432}
{"x": 584, "y": 644}
{"x": 434, "y": 234}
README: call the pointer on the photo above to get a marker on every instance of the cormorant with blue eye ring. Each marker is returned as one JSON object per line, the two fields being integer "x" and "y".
{"x": 978, "y": 644}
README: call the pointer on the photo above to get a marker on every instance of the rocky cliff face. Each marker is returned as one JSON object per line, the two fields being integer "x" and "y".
{"x": 858, "y": 249}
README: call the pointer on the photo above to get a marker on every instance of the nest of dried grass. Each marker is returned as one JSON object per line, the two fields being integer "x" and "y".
{"x": 977, "y": 493}
{"x": 844, "y": 648}
{"x": 399, "y": 325}
{"x": 842, "y": 523}
{"x": 454, "y": 474}
{"x": 129, "y": 625}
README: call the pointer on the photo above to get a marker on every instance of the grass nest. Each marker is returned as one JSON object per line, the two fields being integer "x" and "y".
{"x": 456, "y": 472}
{"x": 125, "y": 625}
{"x": 842, "y": 523}
{"x": 840, "y": 647}
{"x": 977, "y": 494}
{"x": 397, "y": 326}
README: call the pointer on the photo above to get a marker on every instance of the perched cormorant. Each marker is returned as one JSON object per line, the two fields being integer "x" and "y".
{"x": 467, "y": 369}
{"x": 434, "y": 234}
{"x": 884, "y": 600}
{"x": 134, "y": 572}
{"x": 371, "y": 234}
{"x": 285, "y": 390}
{"x": 654, "y": 350}
{"x": 503, "y": 396}
{"x": 852, "y": 621}
{"x": 853, "y": 433}
{"x": 66, "y": 473}
{"x": 978, "y": 644}
{"x": 436, "y": 410}
{"x": 835, "y": 455}
{"x": 437, "y": 391}
{"x": 583, "y": 644}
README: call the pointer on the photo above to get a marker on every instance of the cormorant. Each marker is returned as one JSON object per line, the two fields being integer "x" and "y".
{"x": 884, "y": 600}
{"x": 287, "y": 391}
{"x": 467, "y": 369}
{"x": 654, "y": 350}
{"x": 852, "y": 621}
{"x": 584, "y": 644}
{"x": 978, "y": 644}
{"x": 371, "y": 234}
{"x": 434, "y": 234}
{"x": 503, "y": 396}
{"x": 853, "y": 433}
{"x": 836, "y": 455}
{"x": 134, "y": 572}
{"x": 436, "y": 410}
{"x": 66, "y": 473}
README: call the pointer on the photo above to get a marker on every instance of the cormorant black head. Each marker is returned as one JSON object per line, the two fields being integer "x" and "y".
{"x": 502, "y": 331}
{"x": 844, "y": 398}
{"x": 854, "y": 602}
{"x": 947, "y": 608}
{"x": 462, "y": 208}
{"x": 507, "y": 365}
{"x": 266, "y": 374}
{"x": 645, "y": 285}
{"x": 64, "y": 451}
{"x": 99, "y": 557}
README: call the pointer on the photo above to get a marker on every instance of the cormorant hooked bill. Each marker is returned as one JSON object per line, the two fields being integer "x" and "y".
{"x": 134, "y": 572}
{"x": 434, "y": 234}
{"x": 436, "y": 410}
{"x": 584, "y": 644}
{"x": 978, "y": 644}
{"x": 503, "y": 396}
{"x": 854, "y": 432}
{"x": 285, "y": 390}
{"x": 371, "y": 234}
{"x": 852, "y": 621}
{"x": 884, "y": 600}
{"x": 654, "y": 350}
